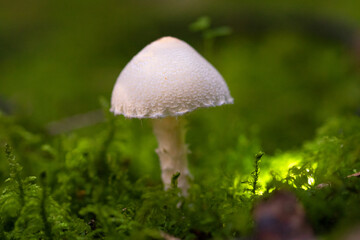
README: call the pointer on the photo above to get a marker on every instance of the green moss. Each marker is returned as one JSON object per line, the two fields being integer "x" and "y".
{"x": 77, "y": 202}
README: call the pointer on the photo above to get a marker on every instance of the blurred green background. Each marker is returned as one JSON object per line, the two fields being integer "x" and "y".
{"x": 290, "y": 66}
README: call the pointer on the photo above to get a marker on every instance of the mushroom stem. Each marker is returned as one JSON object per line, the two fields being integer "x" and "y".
{"x": 172, "y": 151}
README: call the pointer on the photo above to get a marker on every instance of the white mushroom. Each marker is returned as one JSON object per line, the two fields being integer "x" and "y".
{"x": 166, "y": 79}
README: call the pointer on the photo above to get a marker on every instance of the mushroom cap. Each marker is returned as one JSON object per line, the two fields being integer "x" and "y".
{"x": 167, "y": 78}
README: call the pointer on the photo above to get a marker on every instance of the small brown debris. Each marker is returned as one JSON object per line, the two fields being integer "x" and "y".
{"x": 92, "y": 224}
{"x": 322, "y": 185}
{"x": 168, "y": 236}
{"x": 281, "y": 217}
{"x": 80, "y": 194}
{"x": 354, "y": 175}
{"x": 352, "y": 234}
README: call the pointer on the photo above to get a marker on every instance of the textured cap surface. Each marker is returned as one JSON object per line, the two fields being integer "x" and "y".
{"x": 167, "y": 78}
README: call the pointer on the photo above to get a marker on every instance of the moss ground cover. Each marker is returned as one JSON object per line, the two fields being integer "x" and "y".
{"x": 86, "y": 187}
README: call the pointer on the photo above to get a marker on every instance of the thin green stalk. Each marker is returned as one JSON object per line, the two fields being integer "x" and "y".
{"x": 101, "y": 164}
{"x": 43, "y": 213}
{"x": 15, "y": 170}
{"x": 256, "y": 173}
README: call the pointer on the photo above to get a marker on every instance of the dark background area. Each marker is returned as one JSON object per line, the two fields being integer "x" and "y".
{"x": 289, "y": 66}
